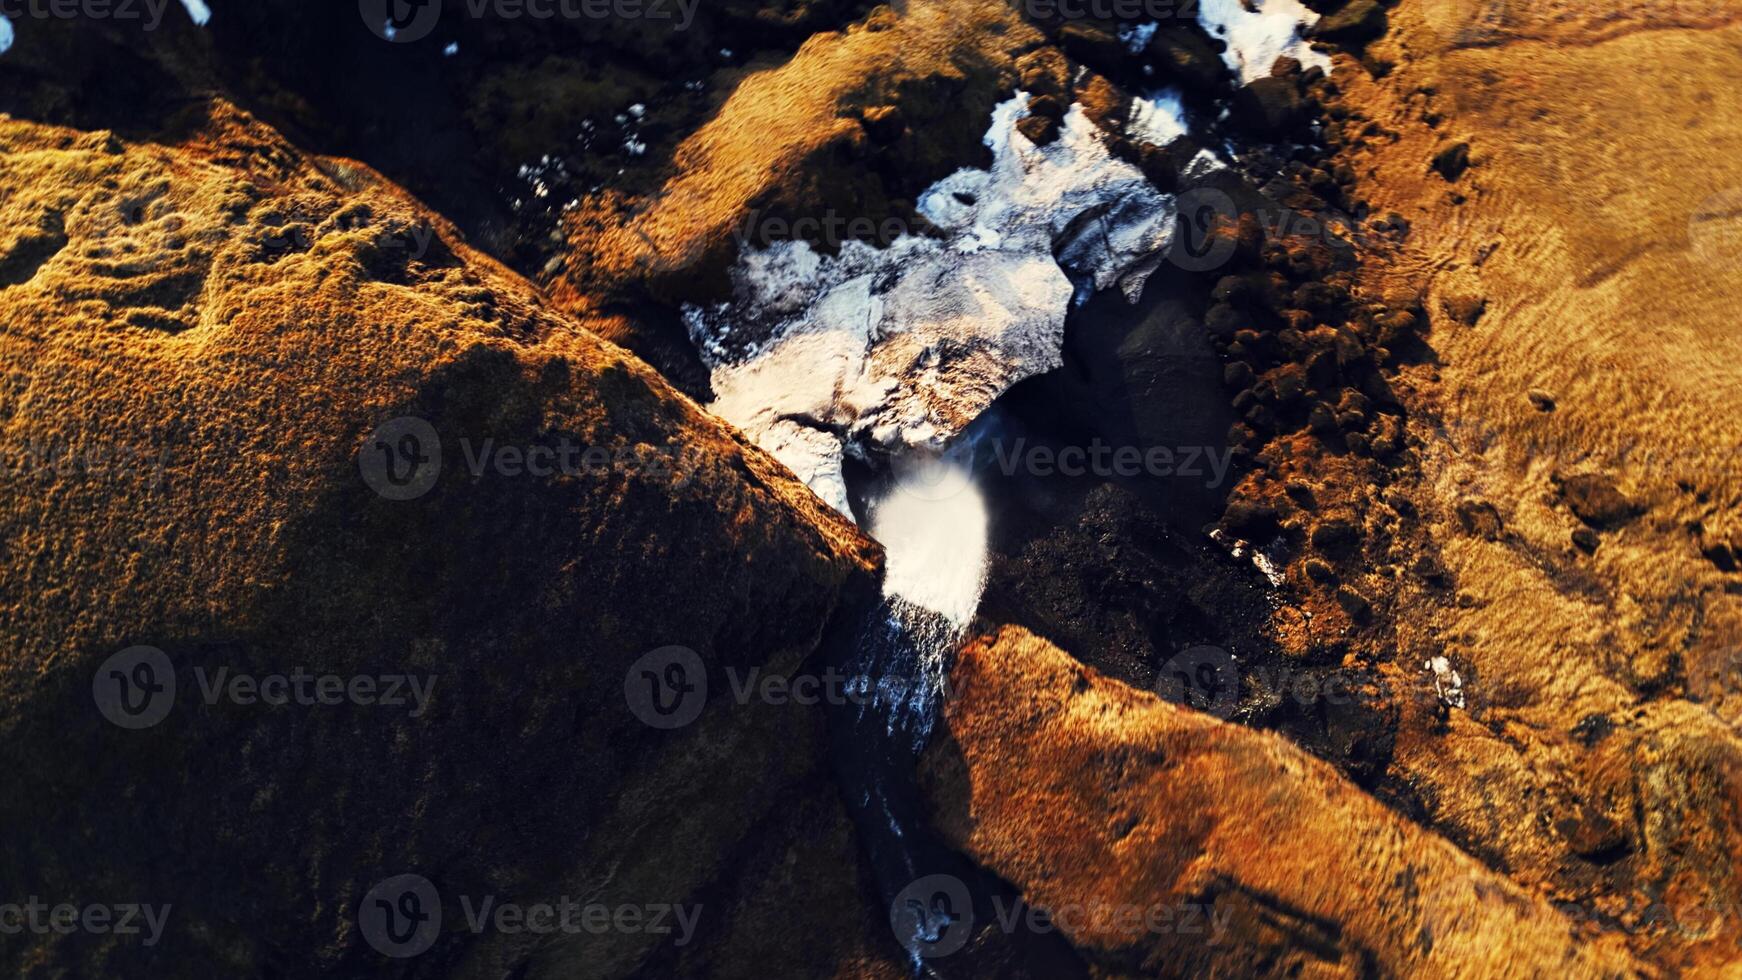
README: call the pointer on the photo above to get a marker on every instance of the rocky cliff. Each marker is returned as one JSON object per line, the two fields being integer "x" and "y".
{"x": 217, "y": 352}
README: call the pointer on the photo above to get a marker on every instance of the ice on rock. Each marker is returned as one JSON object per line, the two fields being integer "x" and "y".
{"x": 902, "y": 347}
{"x": 1256, "y": 38}
{"x": 1159, "y": 119}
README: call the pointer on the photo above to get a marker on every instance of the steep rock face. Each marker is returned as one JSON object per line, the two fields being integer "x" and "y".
{"x": 1162, "y": 841}
{"x": 200, "y": 342}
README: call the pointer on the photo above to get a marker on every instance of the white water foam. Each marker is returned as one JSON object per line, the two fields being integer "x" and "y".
{"x": 933, "y": 528}
{"x": 1256, "y": 38}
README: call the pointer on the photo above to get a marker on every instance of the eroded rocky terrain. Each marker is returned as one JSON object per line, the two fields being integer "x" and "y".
{"x": 1419, "y": 655}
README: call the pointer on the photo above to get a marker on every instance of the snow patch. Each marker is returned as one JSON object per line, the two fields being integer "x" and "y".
{"x": 1256, "y": 38}
{"x": 1159, "y": 119}
{"x": 902, "y": 347}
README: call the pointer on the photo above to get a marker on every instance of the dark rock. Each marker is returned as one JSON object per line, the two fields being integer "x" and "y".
{"x": 1320, "y": 572}
{"x": 1322, "y": 419}
{"x": 1238, "y": 374}
{"x": 1094, "y": 44}
{"x": 1480, "y": 517}
{"x": 1046, "y": 105}
{"x": 1452, "y": 161}
{"x": 1356, "y": 24}
{"x": 1465, "y": 309}
{"x": 884, "y": 124}
{"x": 1350, "y": 348}
{"x": 1250, "y": 520}
{"x": 1189, "y": 56}
{"x": 1321, "y": 370}
{"x": 1237, "y": 290}
{"x": 1318, "y": 297}
{"x": 1302, "y": 494}
{"x": 1337, "y": 537}
{"x": 1723, "y": 556}
{"x": 1387, "y": 435}
{"x": 1595, "y": 499}
{"x": 1270, "y": 107}
{"x": 1586, "y": 540}
{"x": 1593, "y": 836}
{"x": 1543, "y": 401}
{"x": 1222, "y": 320}
{"x": 1040, "y": 130}
{"x": 1593, "y": 729}
{"x": 1290, "y": 383}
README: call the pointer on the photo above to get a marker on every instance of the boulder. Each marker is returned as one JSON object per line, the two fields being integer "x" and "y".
{"x": 1596, "y": 500}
